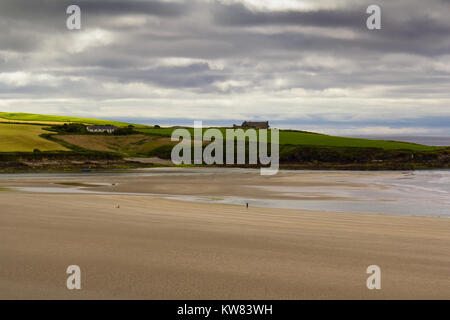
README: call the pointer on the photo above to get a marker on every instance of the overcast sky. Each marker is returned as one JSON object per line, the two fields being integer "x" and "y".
{"x": 307, "y": 64}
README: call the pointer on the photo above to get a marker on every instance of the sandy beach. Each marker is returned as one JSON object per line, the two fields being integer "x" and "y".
{"x": 150, "y": 247}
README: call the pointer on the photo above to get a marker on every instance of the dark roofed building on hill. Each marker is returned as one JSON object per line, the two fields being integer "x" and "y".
{"x": 101, "y": 129}
{"x": 253, "y": 125}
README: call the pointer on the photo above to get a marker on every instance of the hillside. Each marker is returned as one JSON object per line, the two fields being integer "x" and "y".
{"x": 22, "y": 135}
{"x": 50, "y": 119}
{"x": 293, "y": 137}
{"x": 130, "y": 145}
{"x": 25, "y": 138}
{"x": 290, "y": 137}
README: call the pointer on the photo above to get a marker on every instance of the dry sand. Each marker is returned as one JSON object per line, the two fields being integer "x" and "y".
{"x": 153, "y": 248}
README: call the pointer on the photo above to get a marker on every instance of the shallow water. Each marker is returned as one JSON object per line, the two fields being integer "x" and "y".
{"x": 414, "y": 193}
{"x": 418, "y": 193}
{"x": 142, "y": 172}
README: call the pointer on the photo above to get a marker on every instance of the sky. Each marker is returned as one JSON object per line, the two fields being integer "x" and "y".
{"x": 310, "y": 65}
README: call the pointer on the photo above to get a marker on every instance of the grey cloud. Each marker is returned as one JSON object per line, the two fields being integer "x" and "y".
{"x": 192, "y": 76}
{"x": 157, "y": 8}
{"x": 38, "y": 9}
{"x": 265, "y": 55}
{"x": 238, "y": 15}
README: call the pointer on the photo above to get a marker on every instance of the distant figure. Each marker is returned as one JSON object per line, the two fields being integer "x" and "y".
{"x": 247, "y": 205}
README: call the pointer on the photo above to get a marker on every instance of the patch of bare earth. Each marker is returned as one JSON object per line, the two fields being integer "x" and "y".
{"x": 137, "y": 143}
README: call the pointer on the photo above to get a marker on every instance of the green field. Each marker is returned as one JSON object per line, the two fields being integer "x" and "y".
{"x": 30, "y": 117}
{"x": 303, "y": 138}
{"x": 291, "y": 137}
{"x": 21, "y": 134}
{"x": 313, "y": 139}
{"x": 25, "y": 138}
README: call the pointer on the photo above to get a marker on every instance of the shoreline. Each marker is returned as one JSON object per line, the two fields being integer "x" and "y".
{"x": 406, "y": 193}
{"x": 29, "y": 167}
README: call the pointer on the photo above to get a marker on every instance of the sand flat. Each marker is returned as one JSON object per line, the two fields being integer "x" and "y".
{"x": 153, "y": 248}
{"x": 404, "y": 193}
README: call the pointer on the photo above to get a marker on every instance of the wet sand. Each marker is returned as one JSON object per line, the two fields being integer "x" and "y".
{"x": 192, "y": 182}
{"x": 156, "y": 248}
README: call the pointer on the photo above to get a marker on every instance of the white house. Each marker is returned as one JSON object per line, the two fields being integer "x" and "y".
{"x": 98, "y": 129}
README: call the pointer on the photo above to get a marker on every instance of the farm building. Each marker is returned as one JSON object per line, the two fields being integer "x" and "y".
{"x": 254, "y": 125}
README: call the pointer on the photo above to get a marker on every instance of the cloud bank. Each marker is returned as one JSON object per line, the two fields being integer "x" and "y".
{"x": 311, "y": 65}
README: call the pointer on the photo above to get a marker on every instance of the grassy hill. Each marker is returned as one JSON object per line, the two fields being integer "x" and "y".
{"x": 287, "y": 137}
{"x": 314, "y": 139}
{"x": 293, "y": 137}
{"x": 130, "y": 145}
{"x": 49, "y": 119}
{"x": 22, "y": 133}
{"x": 25, "y": 138}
